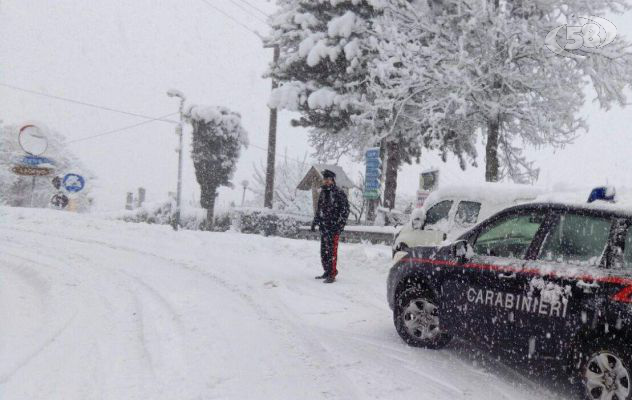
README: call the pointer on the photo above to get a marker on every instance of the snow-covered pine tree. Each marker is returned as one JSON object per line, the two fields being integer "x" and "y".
{"x": 467, "y": 65}
{"x": 217, "y": 141}
{"x": 325, "y": 48}
{"x": 327, "y": 73}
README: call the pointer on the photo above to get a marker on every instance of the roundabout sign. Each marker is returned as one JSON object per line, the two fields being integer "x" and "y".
{"x": 73, "y": 183}
{"x": 32, "y": 140}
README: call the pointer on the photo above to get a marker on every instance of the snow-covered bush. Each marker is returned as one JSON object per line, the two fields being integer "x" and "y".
{"x": 386, "y": 217}
{"x": 161, "y": 213}
{"x": 267, "y": 222}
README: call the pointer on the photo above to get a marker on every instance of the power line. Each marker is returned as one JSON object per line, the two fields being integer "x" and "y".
{"x": 159, "y": 119}
{"x": 248, "y": 11}
{"x": 86, "y": 104}
{"x": 235, "y": 20}
{"x": 255, "y": 8}
{"x": 120, "y": 129}
{"x": 266, "y": 150}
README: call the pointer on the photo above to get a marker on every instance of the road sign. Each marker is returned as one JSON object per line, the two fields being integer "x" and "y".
{"x": 74, "y": 183}
{"x": 59, "y": 200}
{"x": 373, "y": 164}
{"x": 56, "y": 182}
{"x": 372, "y": 185}
{"x": 373, "y": 152}
{"x": 429, "y": 180}
{"x": 422, "y": 195}
{"x": 32, "y": 140}
{"x": 27, "y": 170}
{"x": 36, "y": 160}
{"x": 373, "y": 173}
{"x": 371, "y": 194}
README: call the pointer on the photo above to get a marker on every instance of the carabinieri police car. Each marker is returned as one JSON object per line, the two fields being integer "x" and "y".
{"x": 550, "y": 280}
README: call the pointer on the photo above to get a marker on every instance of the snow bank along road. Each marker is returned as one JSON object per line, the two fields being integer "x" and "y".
{"x": 96, "y": 309}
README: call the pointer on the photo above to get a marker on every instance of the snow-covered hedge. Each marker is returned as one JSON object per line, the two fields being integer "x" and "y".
{"x": 191, "y": 218}
{"x": 267, "y": 222}
{"x": 246, "y": 220}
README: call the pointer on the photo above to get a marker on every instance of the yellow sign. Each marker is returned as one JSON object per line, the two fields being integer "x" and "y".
{"x": 26, "y": 170}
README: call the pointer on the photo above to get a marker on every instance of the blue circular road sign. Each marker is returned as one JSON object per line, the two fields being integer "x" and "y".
{"x": 74, "y": 183}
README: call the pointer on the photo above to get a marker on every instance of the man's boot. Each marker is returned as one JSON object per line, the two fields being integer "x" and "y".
{"x": 323, "y": 276}
{"x": 330, "y": 279}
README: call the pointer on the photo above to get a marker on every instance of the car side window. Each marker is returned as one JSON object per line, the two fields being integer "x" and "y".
{"x": 467, "y": 213}
{"x": 438, "y": 212}
{"x": 510, "y": 237}
{"x": 577, "y": 239}
{"x": 627, "y": 249}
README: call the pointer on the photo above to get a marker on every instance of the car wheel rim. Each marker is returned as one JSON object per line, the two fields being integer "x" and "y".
{"x": 606, "y": 378}
{"x": 421, "y": 319}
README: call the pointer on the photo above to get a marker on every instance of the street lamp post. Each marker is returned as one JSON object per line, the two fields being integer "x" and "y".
{"x": 245, "y": 184}
{"x": 180, "y": 95}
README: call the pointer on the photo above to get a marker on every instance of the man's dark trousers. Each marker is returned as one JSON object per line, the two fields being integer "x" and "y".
{"x": 329, "y": 252}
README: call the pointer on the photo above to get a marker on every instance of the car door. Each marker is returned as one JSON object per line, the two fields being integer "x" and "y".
{"x": 558, "y": 291}
{"x": 481, "y": 294}
{"x": 436, "y": 224}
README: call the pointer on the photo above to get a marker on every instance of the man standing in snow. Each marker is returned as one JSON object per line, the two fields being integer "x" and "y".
{"x": 331, "y": 217}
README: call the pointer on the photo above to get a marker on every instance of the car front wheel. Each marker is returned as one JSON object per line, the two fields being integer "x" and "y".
{"x": 606, "y": 373}
{"x": 417, "y": 320}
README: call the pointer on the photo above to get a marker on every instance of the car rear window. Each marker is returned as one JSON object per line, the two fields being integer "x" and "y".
{"x": 467, "y": 213}
{"x": 577, "y": 239}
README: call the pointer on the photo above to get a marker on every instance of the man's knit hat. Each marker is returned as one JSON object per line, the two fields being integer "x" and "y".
{"x": 329, "y": 174}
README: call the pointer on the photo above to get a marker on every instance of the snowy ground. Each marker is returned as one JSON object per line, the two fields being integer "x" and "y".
{"x": 94, "y": 309}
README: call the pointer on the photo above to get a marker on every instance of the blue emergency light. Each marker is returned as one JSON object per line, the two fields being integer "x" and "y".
{"x": 605, "y": 193}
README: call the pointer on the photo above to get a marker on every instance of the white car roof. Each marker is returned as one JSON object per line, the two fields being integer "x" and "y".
{"x": 487, "y": 193}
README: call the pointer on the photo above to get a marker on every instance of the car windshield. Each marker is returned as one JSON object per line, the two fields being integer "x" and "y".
{"x": 439, "y": 212}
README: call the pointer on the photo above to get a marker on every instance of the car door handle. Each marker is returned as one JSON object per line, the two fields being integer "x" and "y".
{"x": 587, "y": 287}
{"x": 507, "y": 275}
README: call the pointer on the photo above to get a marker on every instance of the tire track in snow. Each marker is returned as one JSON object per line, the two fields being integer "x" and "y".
{"x": 307, "y": 344}
{"x": 42, "y": 289}
{"x": 69, "y": 262}
{"x": 315, "y": 350}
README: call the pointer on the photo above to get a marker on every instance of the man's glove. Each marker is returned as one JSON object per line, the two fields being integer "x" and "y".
{"x": 313, "y": 229}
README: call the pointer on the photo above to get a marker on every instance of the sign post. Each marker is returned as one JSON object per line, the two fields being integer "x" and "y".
{"x": 372, "y": 185}
{"x": 34, "y": 143}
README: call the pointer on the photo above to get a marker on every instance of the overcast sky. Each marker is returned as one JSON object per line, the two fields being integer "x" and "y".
{"x": 126, "y": 54}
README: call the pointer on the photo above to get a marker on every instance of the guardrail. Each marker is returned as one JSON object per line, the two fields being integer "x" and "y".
{"x": 356, "y": 234}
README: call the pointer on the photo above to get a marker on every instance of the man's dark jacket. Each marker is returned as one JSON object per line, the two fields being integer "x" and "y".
{"x": 333, "y": 210}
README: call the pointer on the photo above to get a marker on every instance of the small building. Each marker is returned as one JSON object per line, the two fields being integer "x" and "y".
{"x": 313, "y": 180}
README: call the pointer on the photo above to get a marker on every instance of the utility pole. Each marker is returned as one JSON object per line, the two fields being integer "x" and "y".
{"x": 176, "y": 217}
{"x": 245, "y": 184}
{"x": 272, "y": 129}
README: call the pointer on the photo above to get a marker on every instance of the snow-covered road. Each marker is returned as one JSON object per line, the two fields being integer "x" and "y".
{"x": 97, "y": 309}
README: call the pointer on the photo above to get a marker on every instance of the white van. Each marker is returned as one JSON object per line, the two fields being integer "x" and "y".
{"x": 451, "y": 210}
